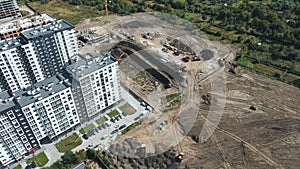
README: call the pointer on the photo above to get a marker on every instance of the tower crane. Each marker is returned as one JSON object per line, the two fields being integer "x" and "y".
{"x": 107, "y": 18}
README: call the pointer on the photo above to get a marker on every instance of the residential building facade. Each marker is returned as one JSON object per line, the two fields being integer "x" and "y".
{"x": 35, "y": 115}
{"x": 36, "y": 54}
{"x": 95, "y": 84}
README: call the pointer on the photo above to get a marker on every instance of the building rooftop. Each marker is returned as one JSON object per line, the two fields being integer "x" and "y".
{"x": 35, "y": 93}
{"x": 88, "y": 64}
{"x": 9, "y": 43}
{"x": 6, "y": 101}
{"x": 26, "y": 23}
{"x": 50, "y": 28}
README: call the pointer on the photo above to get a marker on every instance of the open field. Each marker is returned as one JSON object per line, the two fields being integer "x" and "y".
{"x": 63, "y": 10}
{"x": 264, "y": 138}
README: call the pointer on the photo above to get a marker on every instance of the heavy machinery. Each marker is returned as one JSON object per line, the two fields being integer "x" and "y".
{"x": 121, "y": 57}
{"x": 180, "y": 155}
{"x": 193, "y": 59}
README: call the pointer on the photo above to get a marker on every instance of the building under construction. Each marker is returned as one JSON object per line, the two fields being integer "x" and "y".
{"x": 13, "y": 29}
{"x": 9, "y": 9}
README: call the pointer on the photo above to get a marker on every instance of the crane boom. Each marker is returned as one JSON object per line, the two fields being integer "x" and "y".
{"x": 107, "y": 18}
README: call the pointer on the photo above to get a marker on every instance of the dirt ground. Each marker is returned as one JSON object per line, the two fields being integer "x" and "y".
{"x": 267, "y": 137}
{"x": 259, "y": 127}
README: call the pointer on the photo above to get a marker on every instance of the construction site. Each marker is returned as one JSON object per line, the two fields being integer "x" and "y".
{"x": 183, "y": 76}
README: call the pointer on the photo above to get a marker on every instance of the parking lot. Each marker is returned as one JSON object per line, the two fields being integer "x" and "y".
{"x": 101, "y": 136}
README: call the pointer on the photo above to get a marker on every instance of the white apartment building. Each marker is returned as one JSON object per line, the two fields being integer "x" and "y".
{"x": 37, "y": 53}
{"x": 35, "y": 115}
{"x": 95, "y": 84}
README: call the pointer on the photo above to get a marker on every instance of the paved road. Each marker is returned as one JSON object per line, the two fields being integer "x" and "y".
{"x": 52, "y": 153}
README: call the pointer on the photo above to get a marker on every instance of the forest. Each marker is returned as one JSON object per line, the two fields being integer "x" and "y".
{"x": 268, "y": 32}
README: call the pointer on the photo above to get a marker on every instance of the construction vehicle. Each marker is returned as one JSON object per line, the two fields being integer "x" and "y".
{"x": 193, "y": 59}
{"x": 180, "y": 155}
{"x": 119, "y": 59}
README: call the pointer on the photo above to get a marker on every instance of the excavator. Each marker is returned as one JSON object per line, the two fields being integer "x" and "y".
{"x": 121, "y": 57}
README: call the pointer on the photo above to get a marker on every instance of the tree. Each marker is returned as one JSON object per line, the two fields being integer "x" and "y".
{"x": 69, "y": 158}
{"x": 58, "y": 165}
{"x": 91, "y": 154}
{"x": 258, "y": 12}
{"x": 177, "y": 4}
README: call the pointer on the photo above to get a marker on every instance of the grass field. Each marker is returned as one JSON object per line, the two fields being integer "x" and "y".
{"x": 87, "y": 128}
{"x": 63, "y": 10}
{"x": 127, "y": 108}
{"x": 40, "y": 159}
{"x": 101, "y": 120}
{"x": 68, "y": 143}
{"x": 113, "y": 113}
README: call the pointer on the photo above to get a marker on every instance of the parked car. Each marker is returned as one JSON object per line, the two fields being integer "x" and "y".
{"x": 112, "y": 120}
{"x": 122, "y": 127}
{"x": 138, "y": 117}
{"x": 97, "y": 130}
{"x": 124, "y": 114}
{"x": 106, "y": 124}
{"x": 104, "y": 137}
{"x": 85, "y": 136}
{"x": 92, "y": 131}
{"x": 114, "y": 131}
{"x": 120, "y": 116}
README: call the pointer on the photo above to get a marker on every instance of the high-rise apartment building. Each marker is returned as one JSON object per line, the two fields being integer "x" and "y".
{"x": 34, "y": 115}
{"x": 95, "y": 84}
{"x": 36, "y": 53}
{"x": 9, "y": 9}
